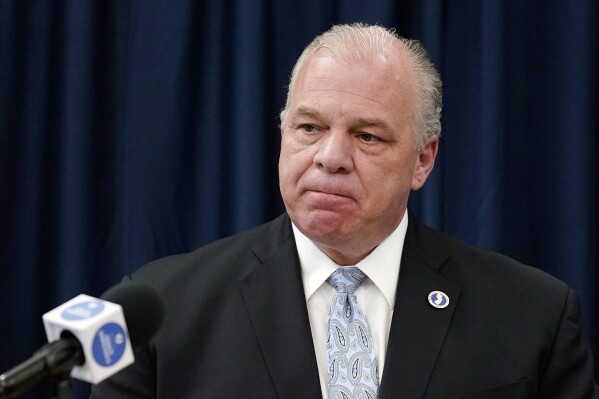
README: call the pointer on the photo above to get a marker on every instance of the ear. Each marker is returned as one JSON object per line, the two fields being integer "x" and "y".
{"x": 425, "y": 162}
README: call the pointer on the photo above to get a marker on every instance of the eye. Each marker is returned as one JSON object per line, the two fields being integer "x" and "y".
{"x": 308, "y": 128}
{"x": 367, "y": 137}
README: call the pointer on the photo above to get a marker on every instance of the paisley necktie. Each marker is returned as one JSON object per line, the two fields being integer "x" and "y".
{"x": 353, "y": 369}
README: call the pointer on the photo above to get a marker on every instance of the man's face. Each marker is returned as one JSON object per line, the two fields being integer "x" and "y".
{"x": 348, "y": 154}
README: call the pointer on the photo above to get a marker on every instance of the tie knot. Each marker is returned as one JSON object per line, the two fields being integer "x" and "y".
{"x": 346, "y": 279}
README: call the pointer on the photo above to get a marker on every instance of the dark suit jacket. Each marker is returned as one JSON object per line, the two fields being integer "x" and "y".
{"x": 237, "y": 326}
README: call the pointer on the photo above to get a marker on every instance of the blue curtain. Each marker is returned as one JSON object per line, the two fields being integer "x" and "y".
{"x": 131, "y": 130}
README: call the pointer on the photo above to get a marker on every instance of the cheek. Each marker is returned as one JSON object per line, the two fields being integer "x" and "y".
{"x": 292, "y": 164}
{"x": 294, "y": 159}
{"x": 385, "y": 182}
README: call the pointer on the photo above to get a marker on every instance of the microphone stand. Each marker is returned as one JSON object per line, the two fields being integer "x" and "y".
{"x": 63, "y": 387}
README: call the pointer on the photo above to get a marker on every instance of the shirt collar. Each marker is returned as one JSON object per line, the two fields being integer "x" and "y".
{"x": 381, "y": 265}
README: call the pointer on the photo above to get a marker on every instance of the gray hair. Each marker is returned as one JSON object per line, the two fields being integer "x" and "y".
{"x": 360, "y": 42}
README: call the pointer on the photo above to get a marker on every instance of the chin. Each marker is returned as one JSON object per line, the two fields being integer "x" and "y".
{"x": 324, "y": 226}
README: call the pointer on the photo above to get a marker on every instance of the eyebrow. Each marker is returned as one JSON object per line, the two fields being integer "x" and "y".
{"x": 370, "y": 122}
{"x": 308, "y": 112}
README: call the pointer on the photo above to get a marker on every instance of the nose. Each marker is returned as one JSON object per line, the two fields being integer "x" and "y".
{"x": 335, "y": 153}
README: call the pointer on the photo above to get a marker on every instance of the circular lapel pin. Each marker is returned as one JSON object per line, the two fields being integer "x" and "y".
{"x": 438, "y": 299}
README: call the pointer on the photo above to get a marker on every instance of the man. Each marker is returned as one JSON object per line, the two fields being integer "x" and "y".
{"x": 249, "y": 316}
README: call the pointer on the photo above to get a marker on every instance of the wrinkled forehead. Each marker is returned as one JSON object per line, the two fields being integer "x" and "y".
{"x": 373, "y": 89}
{"x": 391, "y": 73}
{"x": 393, "y": 56}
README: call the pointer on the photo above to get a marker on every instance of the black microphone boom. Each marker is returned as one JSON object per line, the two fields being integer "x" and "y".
{"x": 143, "y": 311}
{"x": 51, "y": 360}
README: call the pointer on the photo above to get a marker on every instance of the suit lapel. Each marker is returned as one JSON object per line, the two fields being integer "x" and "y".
{"x": 417, "y": 328}
{"x": 276, "y": 304}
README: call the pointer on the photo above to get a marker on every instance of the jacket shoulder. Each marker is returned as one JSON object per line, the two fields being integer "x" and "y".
{"x": 228, "y": 258}
{"x": 472, "y": 263}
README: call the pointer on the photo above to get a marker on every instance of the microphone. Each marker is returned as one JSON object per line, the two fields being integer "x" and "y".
{"x": 90, "y": 338}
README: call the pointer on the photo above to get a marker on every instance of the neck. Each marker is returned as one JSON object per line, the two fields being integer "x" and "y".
{"x": 346, "y": 255}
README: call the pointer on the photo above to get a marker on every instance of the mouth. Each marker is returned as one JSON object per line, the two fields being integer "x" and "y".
{"x": 327, "y": 200}
{"x": 329, "y": 192}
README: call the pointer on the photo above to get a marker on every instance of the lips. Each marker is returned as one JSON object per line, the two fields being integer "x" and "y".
{"x": 337, "y": 193}
{"x": 328, "y": 186}
{"x": 325, "y": 201}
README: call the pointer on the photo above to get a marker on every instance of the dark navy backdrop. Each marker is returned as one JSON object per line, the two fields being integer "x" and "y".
{"x": 131, "y": 130}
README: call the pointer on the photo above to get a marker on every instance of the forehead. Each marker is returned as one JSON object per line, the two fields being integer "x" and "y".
{"x": 378, "y": 87}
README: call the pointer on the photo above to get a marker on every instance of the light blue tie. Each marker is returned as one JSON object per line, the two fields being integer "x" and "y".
{"x": 353, "y": 369}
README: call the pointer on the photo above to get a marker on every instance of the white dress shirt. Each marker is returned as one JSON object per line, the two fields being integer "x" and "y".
{"x": 376, "y": 295}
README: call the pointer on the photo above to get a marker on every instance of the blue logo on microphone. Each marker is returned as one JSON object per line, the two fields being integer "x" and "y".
{"x": 109, "y": 344}
{"x": 82, "y": 310}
